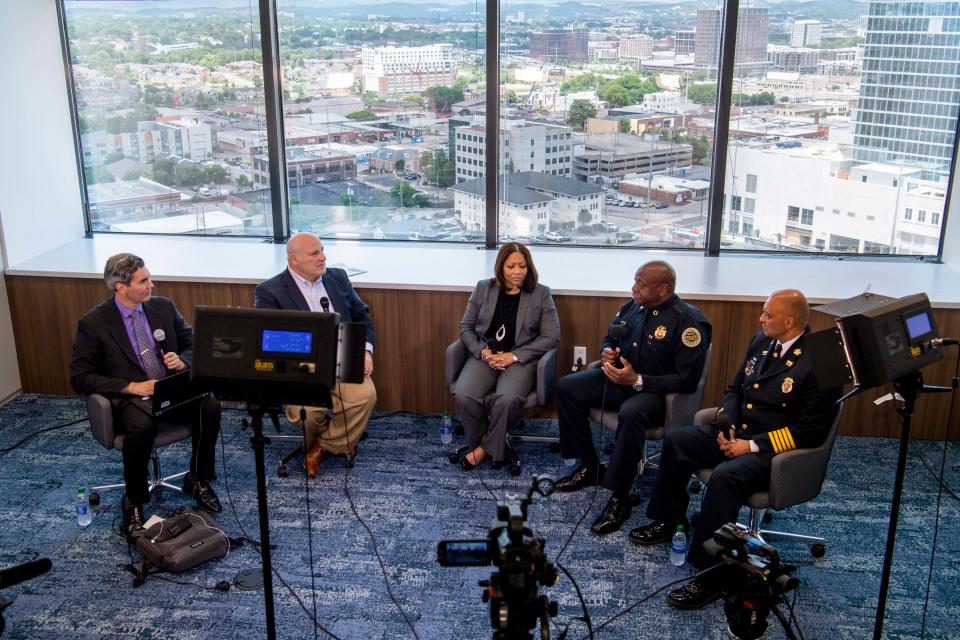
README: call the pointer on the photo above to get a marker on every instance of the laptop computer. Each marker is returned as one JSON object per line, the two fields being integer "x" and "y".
{"x": 171, "y": 393}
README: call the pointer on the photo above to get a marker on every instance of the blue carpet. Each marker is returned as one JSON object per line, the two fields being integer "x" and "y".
{"x": 411, "y": 497}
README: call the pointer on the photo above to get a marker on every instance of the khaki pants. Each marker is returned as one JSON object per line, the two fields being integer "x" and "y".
{"x": 352, "y": 406}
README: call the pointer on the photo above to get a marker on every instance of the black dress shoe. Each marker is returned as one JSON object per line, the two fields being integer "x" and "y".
{"x": 584, "y": 476}
{"x": 614, "y": 515}
{"x": 132, "y": 517}
{"x": 201, "y": 492}
{"x": 466, "y": 465}
{"x": 696, "y": 594}
{"x": 653, "y": 533}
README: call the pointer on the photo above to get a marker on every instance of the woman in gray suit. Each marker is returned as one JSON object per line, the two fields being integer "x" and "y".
{"x": 509, "y": 323}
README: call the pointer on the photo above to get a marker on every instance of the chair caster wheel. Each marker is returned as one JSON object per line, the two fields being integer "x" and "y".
{"x": 454, "y": 458}
{"x": 695, "y": 486}
{"x": 94, "y": 499}
{"x": 282, "y": 471}
{"x": 818, "y": 550}
{"x": 515, "y": 470}
{"x": 767, "y": 518}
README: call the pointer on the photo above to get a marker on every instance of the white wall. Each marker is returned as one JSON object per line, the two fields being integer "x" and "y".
{"x": 40, "y": 206}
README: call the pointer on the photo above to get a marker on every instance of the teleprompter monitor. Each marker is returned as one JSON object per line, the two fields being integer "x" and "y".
{"x": 266, "y": 356}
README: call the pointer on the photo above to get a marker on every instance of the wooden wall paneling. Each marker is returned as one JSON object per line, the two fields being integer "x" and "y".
{"x": 414, "y": 328}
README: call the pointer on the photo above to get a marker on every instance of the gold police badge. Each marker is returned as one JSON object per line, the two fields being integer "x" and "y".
{"x": 787, "y": 385}
{"x": 660, "y": 333}
{"x": 796, "y": 352}
{"x": 690, "y": 337}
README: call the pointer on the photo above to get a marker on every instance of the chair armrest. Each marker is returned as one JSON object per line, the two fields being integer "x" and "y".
{"x": 546, "y": 375}
{"x": 454, "y": 358}
{"x": 705, "y": 416}
{"x": 593, "y": 365}
{"x": 100, "y": 415}
{"x": 797, "y": 476}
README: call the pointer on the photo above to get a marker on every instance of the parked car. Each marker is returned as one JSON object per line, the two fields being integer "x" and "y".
{"x": 660, "y": 205}
{"x": 554, "y": 236}
{"x": 609, "y": 226}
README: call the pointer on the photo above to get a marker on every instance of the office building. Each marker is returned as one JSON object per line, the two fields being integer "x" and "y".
{"x": 560, "y": 44}
{"x": 753, "y": 26}
{"x": 806, "y": 33}
{"x": 393, "y": 72}
{"x": 793, "y": 59}
{"x": 684, "y": 43}
{"x": 910, "y": 84}
{"x": 524, "y": 146}
{"x": 636, "y": 48}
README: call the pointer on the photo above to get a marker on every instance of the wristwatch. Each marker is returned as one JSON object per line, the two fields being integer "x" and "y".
{"x": 638, "y": 385}
{"x": 515, "y": 358}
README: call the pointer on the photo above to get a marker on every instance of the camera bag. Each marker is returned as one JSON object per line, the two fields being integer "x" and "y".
{"x": 182, "y": 541}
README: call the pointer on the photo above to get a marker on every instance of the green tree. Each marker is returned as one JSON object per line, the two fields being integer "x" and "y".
{"x": 443, "y": 98}
{"x": 403, "y": 193}
{"x": 624, "y": 125}
{"x": 615, "y": 94}
{"x": 421, "y": 200}
{"x": 705, "y": 93}
{"x": 243, "y": 182}
{"x": 440, "y": 169}
{"x": 362, "y": 115}
{"x": 399, "y": 165}
{"x": 580, "y": 111}
{"x": 584, "y": 217}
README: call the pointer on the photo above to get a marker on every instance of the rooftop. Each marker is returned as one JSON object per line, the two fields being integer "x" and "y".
{"x": 528, "y": 187}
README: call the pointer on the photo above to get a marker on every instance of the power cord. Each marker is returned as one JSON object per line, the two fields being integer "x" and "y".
{"x": 45, "y": 430}
{"x": 255, "y": 545}
{"x": 583, "y": 604}
{"x": 373, "y": 539}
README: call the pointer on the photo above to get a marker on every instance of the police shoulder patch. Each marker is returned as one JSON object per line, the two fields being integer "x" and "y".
{"x": 690, "y": 337}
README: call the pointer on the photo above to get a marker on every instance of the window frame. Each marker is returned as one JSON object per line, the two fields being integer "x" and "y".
{"x": 280, "y": 201}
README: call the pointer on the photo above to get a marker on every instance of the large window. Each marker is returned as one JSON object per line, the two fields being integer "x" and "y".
{"x": 829, "y": 116}
{"x": 608, "y": 130}
{"x": 375, "y": 110}
{"x": 170, "y": 113}
{"x": 599, "y": 138}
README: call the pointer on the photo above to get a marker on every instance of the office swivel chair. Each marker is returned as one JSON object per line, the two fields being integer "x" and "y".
{"x": 795, "y": 477}
{"x": 456, "y": 356}
{"x": 100, "y": 414}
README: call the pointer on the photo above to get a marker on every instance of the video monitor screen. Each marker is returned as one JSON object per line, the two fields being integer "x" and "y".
{"x": 277, "y": 341}
{"x": 918, "y": 325}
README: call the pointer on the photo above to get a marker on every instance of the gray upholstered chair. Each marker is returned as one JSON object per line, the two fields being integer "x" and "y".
{"x": 100, "y": 414}
{"x": 456, "y": 356}
{"x": 795, "y": 477}
{"x": 681, "y": 408}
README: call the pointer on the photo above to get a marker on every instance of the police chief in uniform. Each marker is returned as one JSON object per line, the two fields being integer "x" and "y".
{"x": 663, "y": 350}
{"x": 774, "y": 405}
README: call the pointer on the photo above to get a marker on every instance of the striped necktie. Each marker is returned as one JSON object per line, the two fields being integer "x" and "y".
{"x": 151, "y": 361}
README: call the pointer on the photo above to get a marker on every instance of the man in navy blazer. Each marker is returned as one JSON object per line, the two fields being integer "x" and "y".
{"x": 115, "y": 354}
{"x": 307, "y": 285}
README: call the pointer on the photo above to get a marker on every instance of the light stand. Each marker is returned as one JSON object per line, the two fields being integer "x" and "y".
{"x": 257, "y": 442}
{"x": 909, "y": 387}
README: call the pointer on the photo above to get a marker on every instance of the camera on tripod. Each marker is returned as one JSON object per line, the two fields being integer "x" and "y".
{"x": 756, "y": 581}
{"x": 513, "y": 590}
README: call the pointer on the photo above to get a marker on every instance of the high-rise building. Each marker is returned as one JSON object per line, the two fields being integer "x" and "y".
{"x": 560, "y": 44}
{"x": 753, "y": 28}
{"x": 399, "y": 71}
{"x": 793, "y": 59}
{"x": 910, "y": 84}
{"x": 806, "y": 33}
{"x": 636, "y": 48}
{"x": 684, "y": 43}
{"x": 524, "y": 146}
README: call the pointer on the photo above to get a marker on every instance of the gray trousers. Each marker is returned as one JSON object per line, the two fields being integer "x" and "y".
{"x": 480, "y": 391}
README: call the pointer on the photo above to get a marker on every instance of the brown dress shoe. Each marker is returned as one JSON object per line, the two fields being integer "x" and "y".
{"x": 312, "y": 458}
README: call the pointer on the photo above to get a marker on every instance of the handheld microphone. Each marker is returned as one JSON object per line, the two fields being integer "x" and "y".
{"x": 161, "y": 339}
{"x": 23, "y": 572}
{"x": 724, "y": 424}
{"x": 616, "y": 333}
{"x": 325, "y": 304}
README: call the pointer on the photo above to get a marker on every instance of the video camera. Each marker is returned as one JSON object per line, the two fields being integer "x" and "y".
{"x": 513, "y": 590}
{"x": 755, "y": 583}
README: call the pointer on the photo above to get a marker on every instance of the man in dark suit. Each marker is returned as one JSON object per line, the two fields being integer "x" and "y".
{"x": 662, "y": 349}
{"x": 307, "y": 285}
{"x": 773, "y": 405}
{"x": 115, "y": 355}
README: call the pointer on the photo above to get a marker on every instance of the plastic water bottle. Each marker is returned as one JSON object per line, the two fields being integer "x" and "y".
{"x": 446, "y": 428}
{"x": 84, "y": 516}
{"x": 678, "y": 548}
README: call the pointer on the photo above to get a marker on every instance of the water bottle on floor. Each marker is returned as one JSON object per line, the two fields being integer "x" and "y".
{"x": 678, "y": 548}
{"x": 446, "y": 428}
{"x": 84, "y": 515}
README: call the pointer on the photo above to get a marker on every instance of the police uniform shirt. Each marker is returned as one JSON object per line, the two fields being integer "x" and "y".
{"x": 666, "y": 344}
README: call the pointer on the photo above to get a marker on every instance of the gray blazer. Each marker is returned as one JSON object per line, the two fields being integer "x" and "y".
{"x": 538, "y": 326}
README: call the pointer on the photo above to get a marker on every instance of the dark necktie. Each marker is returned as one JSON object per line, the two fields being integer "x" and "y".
{"x": 770, "y": 359}
{"x": 151, "y": 362}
